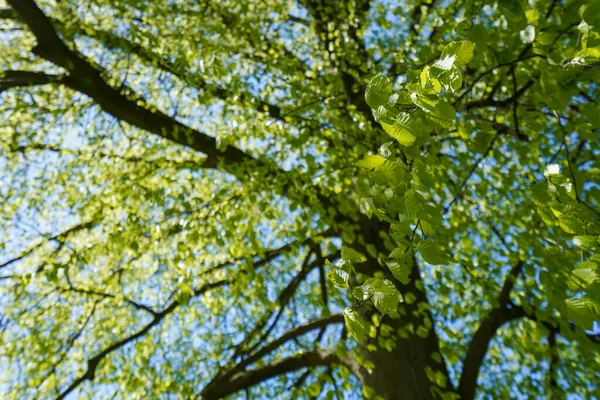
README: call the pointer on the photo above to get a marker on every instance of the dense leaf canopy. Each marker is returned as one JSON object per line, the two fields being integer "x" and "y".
{"x": 299, "y": 198}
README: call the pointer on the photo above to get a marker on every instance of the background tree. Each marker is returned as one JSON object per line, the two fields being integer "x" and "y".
{"x": 187, "y": 185}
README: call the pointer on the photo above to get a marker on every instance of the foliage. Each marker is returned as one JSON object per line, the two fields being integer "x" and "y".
{"x": 296, "y": 199}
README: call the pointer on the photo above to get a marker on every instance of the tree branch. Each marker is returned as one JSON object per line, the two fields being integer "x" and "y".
{"x": 345, "y": 55}
{"x": 113, "y": 41}
{"x": 415, "y": 17}
{"x": 252, "y": 377}
{"x": 159, "y": 316}
{"x": 92, "y": 364}
{"x": 86, "y": 78}
{"x": 126, "y": 106}
{"x": 553, "y": 326}
{"x": 319, "y": 323}
{"x": 480, "y": 342}
{"x": 70, "y": 343}
{"x": 56, "y": 237}
{"x": 116, "y": 42}
{"x": 323, "y": 282}
{"x": 13, "y": 79}
{"x": 474, "y": 168}
{"x": 7, "y": 13}
{"x": 282, "y": 300}
{"x": 299, "y": 20}
{"x": 553, "y": 365}
{"x": 103, "y": 295}
{"x": 222, "y": 378}
{"x": 489, "y": 102}
{"x": 190, "y": 164}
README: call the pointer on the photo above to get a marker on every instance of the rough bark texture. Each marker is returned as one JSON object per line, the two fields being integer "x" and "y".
{"x": 409, "y": 369}
{"x": 403, "y": 372}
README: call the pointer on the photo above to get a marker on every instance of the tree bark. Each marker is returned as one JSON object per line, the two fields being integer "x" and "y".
{"x": 410, "y": 369}
{"x": 413, "y": 368}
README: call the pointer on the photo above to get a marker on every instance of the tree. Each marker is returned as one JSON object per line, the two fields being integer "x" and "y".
{"x": 300, "y": 199}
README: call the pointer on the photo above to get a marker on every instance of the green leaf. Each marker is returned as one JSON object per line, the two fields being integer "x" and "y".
{"x": 540, "y": 192}
{"x": 338, "y": 277}
{"x": 355, "y": 325}
{"x": 352, "y": 255}
{"x": 430, "y": 214}
{"x": 405, "y": 128}
{"x": 382, "y": 292}
{"x": 587, "y": 275}
{"x": 370, "y": 162}
{"x": 360, "y": 293}
{"x": 456, "y": 54}
{"x": 583, "y": 312}
{"x": 571, "y": 224}
{"x": 532, "y": 16}
{"x": 386, "y": 150}
{"x": 586, "y": 242}
{"x": 514, "y": 13}
{"x": 400, "y": 270}
{"x": 423, "y": 175}
{"x": 586, "y": 272}
{"x": 413, "y": 202}
{"x": 314, "y": 389}
{"x": 435, "y": 109}
{"x": 390, "y": 173}
{"x": 591, "y": 13}
{"x": 478, "y": 34}
{"x": 339, "y": 274}
{"x": 378, "y": 91}
{"x": 367, "y": 206}
{"x": 368, "y": 392}
{"x": 443, "y": 114}
{"x": 399, "y": 252}
{"x": 431, "y": 253}
{"x": 451, "y": 78}
{"x": 184, "y": 293}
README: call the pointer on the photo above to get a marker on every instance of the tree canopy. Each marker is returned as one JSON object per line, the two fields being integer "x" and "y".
{"x": 300, "y": 199}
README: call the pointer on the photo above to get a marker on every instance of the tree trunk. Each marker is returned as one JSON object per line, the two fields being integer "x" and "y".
{"x": 407, "y": 364}
{"x": 413, "y": 369}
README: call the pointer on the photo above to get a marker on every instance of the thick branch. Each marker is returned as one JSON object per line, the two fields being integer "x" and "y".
{"x": 7, "y": 13}
{"x": 222, "y": 378}
{"x": 319, "y": 323}
{"x": 87, "y": 79}
{"x": 15, "y": 79}
{"x": 553, "y": 365}
{"x": 282, "y": 300}
{"x": 116, "y": 42}
{"x": 497, "y": 317}
{"x": 323, "y": 285}
{"x": 126, "y": 106}
{"x": 252, "y": 377}
{"x": 113, "y": 41}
